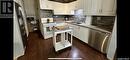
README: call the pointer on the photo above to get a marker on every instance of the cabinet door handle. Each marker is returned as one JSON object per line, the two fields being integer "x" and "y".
{"x": 99, "y": 10}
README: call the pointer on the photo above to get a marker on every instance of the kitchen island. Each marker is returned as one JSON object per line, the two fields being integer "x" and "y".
{"x": 64, "y": 40}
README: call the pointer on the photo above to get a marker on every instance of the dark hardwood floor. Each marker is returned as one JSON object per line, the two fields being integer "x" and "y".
{"x": 41, "y": 49}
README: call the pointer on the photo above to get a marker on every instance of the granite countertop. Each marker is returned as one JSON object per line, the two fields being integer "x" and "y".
{"x": 90, "y": 27}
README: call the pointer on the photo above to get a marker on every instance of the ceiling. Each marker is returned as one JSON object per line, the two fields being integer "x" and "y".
{"x": 63, "y": 1}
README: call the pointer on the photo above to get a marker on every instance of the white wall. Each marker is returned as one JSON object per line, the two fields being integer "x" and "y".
{"x": 112, "y": 46}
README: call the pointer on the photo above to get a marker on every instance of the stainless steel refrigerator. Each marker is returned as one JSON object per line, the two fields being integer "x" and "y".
{"x": 21, "y": 23}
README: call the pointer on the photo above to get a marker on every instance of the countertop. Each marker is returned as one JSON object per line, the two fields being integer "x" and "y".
{"x": 85, "y": 26}
{"x": 90, "y": 27}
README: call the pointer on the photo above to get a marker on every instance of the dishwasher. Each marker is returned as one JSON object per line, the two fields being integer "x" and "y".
{"x": 98, "y": 40}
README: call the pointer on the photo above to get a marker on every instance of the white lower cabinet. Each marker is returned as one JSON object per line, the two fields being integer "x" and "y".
{"x": 75, "y": 31}
{"x": 81, "y": 33}
{"x": 84, "y": 34}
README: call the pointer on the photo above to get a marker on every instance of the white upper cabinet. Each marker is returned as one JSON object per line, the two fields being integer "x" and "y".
{"x": 59, "y": 8}
{"x": 109, "y": 7}
{"x": 70, "y": 7}
{"x": 85, "y": 5}
{"x": 65, "y": 8}
{"x": 103, "y": 7}
{"x": 97, "y": 7}
{"x": 45, "y": 4}
{"x": 90, "y": 7}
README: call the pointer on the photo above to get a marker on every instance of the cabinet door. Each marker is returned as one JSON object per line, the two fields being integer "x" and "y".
{"x": 44, "y": 4}
{"x": 96, "y": 7}
{"x": 87, "y": 5}
{"x": 59, "y": 8}
{"x": 103, "y": 7}
{"x": 81, "y": 33}
{"x": 70, "y": 7}
{"x": 76, "y": 31}
{"x": 41, "y": 2}
{"x": 84, "y": 34}
{"x": 108, "y": 6}
{"x": 73, "y": 27}
{"x": 80, "y": 4}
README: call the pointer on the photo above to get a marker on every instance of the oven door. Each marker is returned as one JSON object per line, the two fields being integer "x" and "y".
{"x": 48, "y": 30}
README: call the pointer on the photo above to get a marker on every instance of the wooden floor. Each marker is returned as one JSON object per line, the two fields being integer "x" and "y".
{"x": 41, "y": 49}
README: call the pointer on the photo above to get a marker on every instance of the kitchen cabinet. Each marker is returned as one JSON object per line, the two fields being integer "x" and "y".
{"x": 45, "y": 4}
{"x": 84, "y": 34}
{"x": 81, "y": 33}
{"x": 70, "y": 7}
{"x": 97, "y": 7}
{"x": 64, "y": 9}
{"x": 75, "y": 30}
{"x": 109, "y": 7}
{"x": 85, "y": 5}
{"x": 59, "y": 8}
{"x": 90, "y": 7}
{"x": 103, "y": 7}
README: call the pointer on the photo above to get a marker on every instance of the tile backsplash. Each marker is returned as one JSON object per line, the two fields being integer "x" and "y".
{"x": 61, "y": 18}
{"x": 104, "y": 22}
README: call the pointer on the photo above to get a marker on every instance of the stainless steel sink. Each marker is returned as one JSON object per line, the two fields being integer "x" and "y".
{"x": 76, "y": 23}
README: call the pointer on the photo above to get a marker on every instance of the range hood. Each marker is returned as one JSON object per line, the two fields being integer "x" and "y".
{"x": 63, "y": 1}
